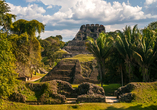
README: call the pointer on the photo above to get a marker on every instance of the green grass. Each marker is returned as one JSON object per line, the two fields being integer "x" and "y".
{"x": 75, "y": 85}
{"x": 60, "y": 52}
{"x": 81, "y": 106}
{"x": 145, "y": 92}
{"x": 30, "y": 95}
{"x": 83, "y": 57}
{"x": 110, "y": 88}
{"x": 38, "y": 75}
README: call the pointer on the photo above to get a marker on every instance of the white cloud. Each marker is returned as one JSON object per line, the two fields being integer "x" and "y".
{"x": 30, "y": 12}
{"x": 96, "y": 9}
{"x": 66, "y": 34}
{"x": 148, "y": 2}
{"x": 104, "y": 11}
{"x": 85, "y": 10}
{"x": 114, "y": 27}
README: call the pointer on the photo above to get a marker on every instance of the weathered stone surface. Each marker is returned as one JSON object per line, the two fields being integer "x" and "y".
{"x": 89, "y": 30}
{"x": 70, "y": 70}
{"x": 77, "y": 45}
{"x": 126, "y": 97}
{"x": 49, "y": 98}
{"x": 52, "y": 92}
{"x": 91, "y": 98}
{"x": 56, "y": 92}
{"x": 89, "y": 88}
{"x": 64, "y": 70}
{"x": 88, "y": 92}
{"x": 65, "y": 88}
{"x": 124, "y": 89}
{"x": 123, "y": 93}
{"x": 89, "y": 69}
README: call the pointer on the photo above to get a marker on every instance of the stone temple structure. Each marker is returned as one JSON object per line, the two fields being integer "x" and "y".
{"x": 77, "y": 45}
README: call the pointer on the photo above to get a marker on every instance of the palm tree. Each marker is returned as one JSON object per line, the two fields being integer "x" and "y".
{"x": 146, "y": 52}
{"x": 125, "y": 41}
{"x": 100, "y": 48}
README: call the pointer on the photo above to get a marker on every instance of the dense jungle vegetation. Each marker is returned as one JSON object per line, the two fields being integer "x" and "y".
{"x": 21, "y": 52}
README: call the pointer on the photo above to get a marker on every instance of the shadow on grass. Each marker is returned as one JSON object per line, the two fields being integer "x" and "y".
{"x": 138, "y": 107}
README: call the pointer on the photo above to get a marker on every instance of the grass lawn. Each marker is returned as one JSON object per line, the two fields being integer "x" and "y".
{"x": 82, "y": 106}
{"x": 37, "y": 76}
{"x": 83, "y": 57}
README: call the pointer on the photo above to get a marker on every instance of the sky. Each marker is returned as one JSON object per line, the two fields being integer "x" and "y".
{"x": 65, "y": 17}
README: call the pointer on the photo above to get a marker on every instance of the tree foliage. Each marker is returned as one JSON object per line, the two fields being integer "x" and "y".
{"x": 7, "y": 60}
{"x": 100, "y": 48}
{"x": 133, "y": 56}
{"x": 146, "y": 52}
{"x": 30, "y": 27}
{"x": 50, "y": 46}
{"x": 5, "y": 18}
{"x": 3, "y": 7}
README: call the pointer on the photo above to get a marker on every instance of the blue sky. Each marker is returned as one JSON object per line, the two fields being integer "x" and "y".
{"x": 64, "y": 17}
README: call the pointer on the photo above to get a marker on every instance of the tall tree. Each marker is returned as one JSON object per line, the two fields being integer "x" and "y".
{"x": 153, "y": 26}
{"x": 30, "y": 48}
{"x": 5, "y": 18}
{"x": 6, "y": 22}
{"x": 146, "y": 52}
{"x": 124, "y": 42}
{"x": 30, "y": 27}
{"x": 100, "y": 48}
{"x": 3, "y": 7}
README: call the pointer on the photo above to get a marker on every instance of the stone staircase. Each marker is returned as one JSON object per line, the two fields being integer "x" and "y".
{"x": 109, "y": 99}
{"x": 71, "y": 100}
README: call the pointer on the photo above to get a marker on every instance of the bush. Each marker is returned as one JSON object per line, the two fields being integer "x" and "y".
{"x": 17, "y": 97}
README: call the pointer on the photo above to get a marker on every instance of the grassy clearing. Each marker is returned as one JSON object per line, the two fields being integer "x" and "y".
{"x": 81, "y": 106}
{"x": 36, "y": 77}
{"x": 83, "y": 57}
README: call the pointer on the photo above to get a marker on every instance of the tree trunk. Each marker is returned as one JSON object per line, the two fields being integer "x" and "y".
{"x": 129, "y": 72}
{"x": 145, "y": 74}
{"x": 101, "y": 72}
{"x": 121, "y": 74}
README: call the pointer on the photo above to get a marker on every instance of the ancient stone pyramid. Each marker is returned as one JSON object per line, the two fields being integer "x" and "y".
{"x": 77, "y": 45}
